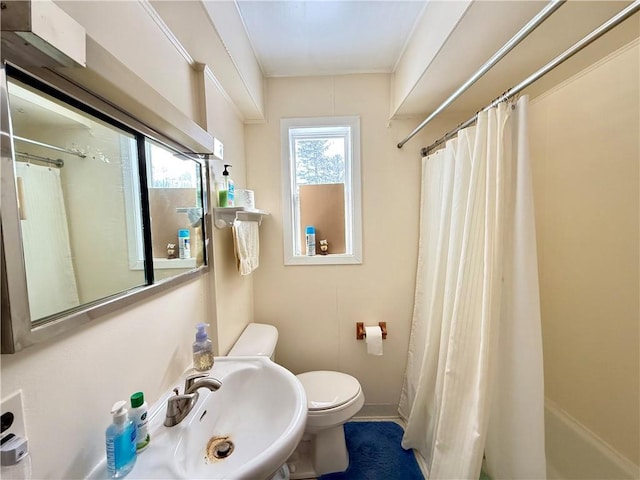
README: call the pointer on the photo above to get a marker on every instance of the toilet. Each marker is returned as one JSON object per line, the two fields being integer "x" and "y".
{"x": 333, "y": 398}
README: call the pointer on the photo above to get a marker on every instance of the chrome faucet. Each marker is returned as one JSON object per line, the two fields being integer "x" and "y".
{"x": 179, "y": 406}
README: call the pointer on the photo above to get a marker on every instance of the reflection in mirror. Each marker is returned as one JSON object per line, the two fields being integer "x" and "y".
{"x": 175, "y": 206}
{"x": 95, "y": 207}
{"x": 72, "y": 172}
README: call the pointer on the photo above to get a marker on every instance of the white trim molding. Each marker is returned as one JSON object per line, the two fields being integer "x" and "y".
{"x": 164, "y": 28}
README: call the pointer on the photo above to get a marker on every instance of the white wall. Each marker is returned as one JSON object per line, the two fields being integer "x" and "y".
{"x": 585, "y": 157}
{"x": 213, "y": 34}
{"x": 70, "y": 383}
{"x": 316, "y": 307}
{"x": 127, "y": 30}
{"x": 233, "y": 292}
{"x": 432, "y": 29}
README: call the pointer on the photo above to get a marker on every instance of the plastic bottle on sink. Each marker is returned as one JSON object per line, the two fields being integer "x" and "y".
{"x": 202, "y": 349}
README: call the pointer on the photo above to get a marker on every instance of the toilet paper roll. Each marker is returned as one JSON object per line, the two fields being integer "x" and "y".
{"x": 374, "y": 340}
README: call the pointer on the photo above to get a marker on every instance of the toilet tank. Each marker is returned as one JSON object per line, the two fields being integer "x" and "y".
{"x": 256, "y": 339}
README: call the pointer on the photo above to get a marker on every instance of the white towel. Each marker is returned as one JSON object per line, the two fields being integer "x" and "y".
{"x": 246, "y": 245}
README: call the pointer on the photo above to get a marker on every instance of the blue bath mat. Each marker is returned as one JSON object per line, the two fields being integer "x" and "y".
{"x": 375, "y": 454}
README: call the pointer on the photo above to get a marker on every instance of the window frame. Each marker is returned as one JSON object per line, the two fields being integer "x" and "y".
{"x": 353, "y": 190}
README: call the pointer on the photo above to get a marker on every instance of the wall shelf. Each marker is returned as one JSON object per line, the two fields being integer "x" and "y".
{"x": 225, "y": 216}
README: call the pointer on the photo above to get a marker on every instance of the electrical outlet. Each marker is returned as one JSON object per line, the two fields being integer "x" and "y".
{"x": 13, "y": 404}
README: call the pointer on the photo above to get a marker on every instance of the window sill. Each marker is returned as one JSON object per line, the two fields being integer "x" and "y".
{"x": 330, "y": 259}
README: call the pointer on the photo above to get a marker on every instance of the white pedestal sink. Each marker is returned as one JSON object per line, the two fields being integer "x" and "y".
{"x": 260, "y": 410}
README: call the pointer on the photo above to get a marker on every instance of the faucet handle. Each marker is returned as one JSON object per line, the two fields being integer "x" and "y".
{"x": 191, "y": 379}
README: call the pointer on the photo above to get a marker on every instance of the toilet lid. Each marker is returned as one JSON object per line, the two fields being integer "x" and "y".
{"x": 326, "y": 390}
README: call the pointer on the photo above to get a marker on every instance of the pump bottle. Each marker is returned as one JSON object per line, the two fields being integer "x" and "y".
{"x": 202, "y": 349}
{"x": 121, "y": 442}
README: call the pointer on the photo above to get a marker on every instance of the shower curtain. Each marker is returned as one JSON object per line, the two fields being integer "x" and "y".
{"x": 474, "y": 383}
{"x": 51, "y": 279}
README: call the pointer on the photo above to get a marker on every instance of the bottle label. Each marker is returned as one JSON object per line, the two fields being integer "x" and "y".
{"x": 142, "y": 436}
{"x": 111, "y": 456}
{"x": 121, "y": 450}
{"x": 231, "y": 195}
{"x": 311, "y": 244}
{"x": 184, "y": 248}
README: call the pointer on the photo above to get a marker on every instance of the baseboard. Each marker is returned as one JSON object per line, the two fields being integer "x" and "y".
{"x": 377, "y": 411}
{"x": 574, "y": 451}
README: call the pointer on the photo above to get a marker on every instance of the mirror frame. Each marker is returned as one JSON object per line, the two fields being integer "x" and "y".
{"x": 16, "y": 327}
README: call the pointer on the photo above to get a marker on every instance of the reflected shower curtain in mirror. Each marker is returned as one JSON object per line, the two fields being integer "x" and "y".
{"x": 51, "y": 278}
{"x": 474, "y": 380}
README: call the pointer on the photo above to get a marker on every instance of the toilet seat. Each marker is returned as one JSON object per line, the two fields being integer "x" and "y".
{"x": 327, "y": 390}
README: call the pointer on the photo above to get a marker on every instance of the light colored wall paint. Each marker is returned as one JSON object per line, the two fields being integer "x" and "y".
{"x": 585, "y": 156}
{"x": 69, "y": 384}
{"x": 434, "y": 27}
{"x": 204, "y": 36}
{"x": 126, "y": 29}
{"x": 230, "y": 27}
{"x": 316, "y": 307}
{"x": 233, "y": 292}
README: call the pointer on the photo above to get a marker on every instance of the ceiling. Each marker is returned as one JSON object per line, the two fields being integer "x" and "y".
{"x": 330, "y": 37}
{"x": 429, "y": 47}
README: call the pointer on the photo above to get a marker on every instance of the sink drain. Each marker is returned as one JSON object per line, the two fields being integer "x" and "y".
{"x": 218, "y": 448}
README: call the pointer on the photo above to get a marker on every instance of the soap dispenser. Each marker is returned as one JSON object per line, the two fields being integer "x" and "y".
{"x": 230, "y": 186}
{"x": 202, "y": 349}
{"x": 121, "y": 442}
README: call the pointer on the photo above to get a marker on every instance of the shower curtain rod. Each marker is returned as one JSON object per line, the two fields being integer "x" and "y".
{"x": 57, "y": 162}
{"x": 575, "y": 48}
{"x": 542, "y": 15}
{"x": 52, "y": 147}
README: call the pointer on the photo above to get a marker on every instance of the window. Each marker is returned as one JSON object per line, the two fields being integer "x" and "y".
{"x": 321, "y": 188}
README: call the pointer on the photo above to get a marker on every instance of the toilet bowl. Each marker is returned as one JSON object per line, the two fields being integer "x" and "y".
{"x": 333, "y": 398}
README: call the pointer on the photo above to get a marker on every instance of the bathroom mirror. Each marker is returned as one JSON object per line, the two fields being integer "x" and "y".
{"x": 70, "y": 172}
{"x": 102, "y": 210}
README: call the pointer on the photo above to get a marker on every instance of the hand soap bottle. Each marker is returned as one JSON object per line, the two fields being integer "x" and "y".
{"x": 231, "y": 189}
{"x": 223, "y": 198}
{"x": 202, "y": 349}
{"x": 121, "y": 442}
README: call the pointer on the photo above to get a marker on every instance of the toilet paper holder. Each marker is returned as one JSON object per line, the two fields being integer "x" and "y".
{"x": 360, "y": 333}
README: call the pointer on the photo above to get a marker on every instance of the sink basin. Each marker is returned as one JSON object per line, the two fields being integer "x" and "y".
{"x": 260, "y": 412}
